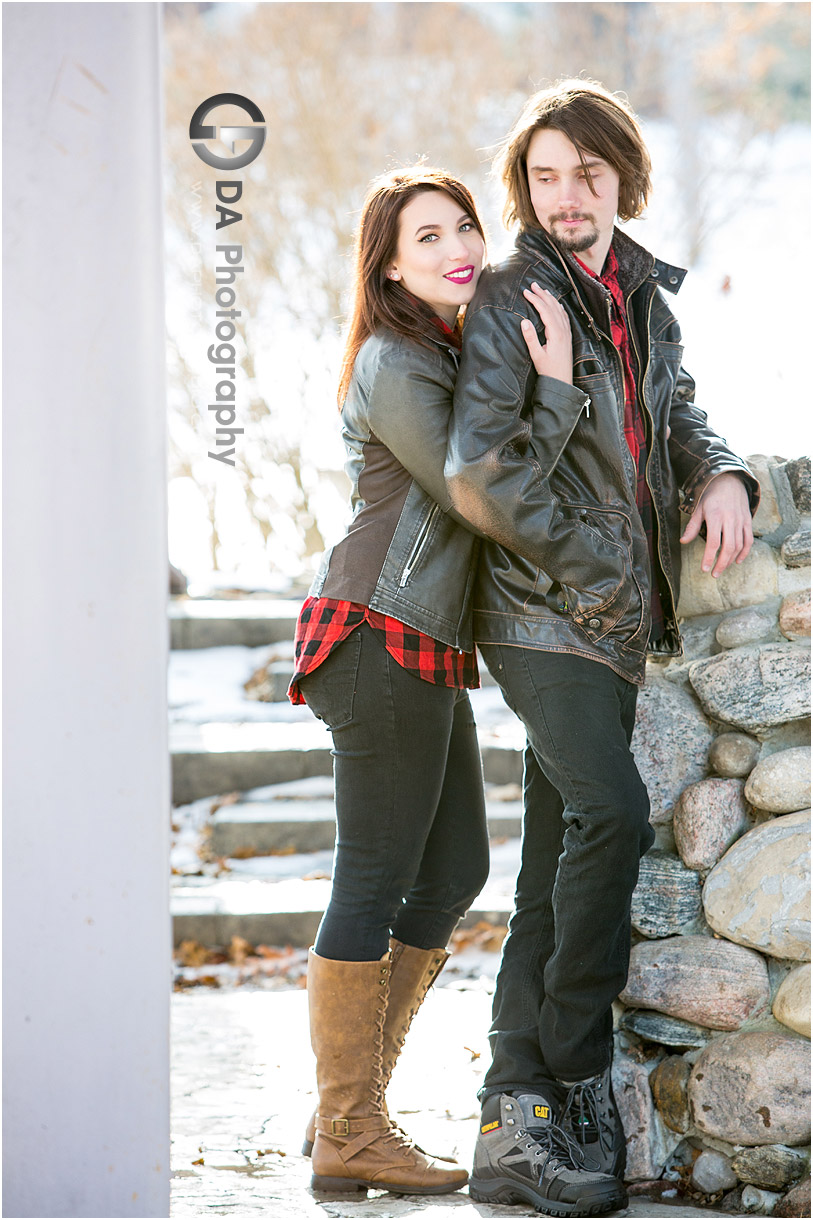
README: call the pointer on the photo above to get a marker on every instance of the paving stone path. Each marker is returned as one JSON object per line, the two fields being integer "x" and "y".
{"x": 244, "y": 1086}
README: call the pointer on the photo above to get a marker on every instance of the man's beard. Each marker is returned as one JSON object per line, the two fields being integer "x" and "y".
{"x": 573, "y": 242}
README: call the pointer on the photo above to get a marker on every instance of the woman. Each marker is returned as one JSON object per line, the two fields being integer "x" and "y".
{"x": 384, "y": 656}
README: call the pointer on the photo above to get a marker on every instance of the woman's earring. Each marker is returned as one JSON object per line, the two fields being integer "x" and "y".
{"x": 393, "y": 275}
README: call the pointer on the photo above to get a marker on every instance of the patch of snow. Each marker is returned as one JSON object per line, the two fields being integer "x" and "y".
{"x": 206, "y": 684}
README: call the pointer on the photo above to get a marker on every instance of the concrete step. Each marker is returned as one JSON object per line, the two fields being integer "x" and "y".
{"x": 209, "y": 623}
{"x": 260, "y": 827}
{"x": 212, "y": 922}
{"x": 284, "y": 906}
{"x": 215, "y": 758}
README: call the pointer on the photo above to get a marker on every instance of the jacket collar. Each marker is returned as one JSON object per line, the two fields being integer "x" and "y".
{"x": 635, "y": 264}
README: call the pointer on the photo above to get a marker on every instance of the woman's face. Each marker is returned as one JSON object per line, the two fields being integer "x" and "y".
{"x": 439, "y": 255}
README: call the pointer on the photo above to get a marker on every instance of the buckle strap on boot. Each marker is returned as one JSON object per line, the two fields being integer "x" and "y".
{"x": 351, "y": 1126}
{"x": 363, "y": 1132}
{"x": 354, "y": 1146}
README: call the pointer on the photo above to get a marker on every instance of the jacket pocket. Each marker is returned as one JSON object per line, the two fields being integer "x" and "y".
{"x": 598, "y": 598}
{"x": 419, "y": 546}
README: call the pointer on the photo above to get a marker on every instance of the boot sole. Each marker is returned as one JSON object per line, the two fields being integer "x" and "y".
{"x": 307, "y": 1147}
{"x": 504, "y": 1190}
{"x": 348, "y": 1185}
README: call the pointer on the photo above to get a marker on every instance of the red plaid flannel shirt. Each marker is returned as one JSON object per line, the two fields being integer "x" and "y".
{"x": 634, "y": 429}
{"x": 324, "y": 623}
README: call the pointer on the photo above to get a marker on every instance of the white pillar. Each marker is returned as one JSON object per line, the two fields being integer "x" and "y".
{"x": 87, "y": 958}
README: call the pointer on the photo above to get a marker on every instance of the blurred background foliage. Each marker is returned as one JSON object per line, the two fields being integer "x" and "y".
{"x": 349, "y": 90}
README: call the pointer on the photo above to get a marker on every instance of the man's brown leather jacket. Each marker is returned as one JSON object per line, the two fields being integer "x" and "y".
{"x": 544, "y": 470}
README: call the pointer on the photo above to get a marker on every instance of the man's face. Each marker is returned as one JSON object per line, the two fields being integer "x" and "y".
{"x": 564, "y": 205}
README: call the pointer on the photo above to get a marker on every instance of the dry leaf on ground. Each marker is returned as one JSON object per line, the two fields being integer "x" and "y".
{"x": 483, "y": 935}
{"x": 239, "y": 949}
{"x": 192, "y": 953}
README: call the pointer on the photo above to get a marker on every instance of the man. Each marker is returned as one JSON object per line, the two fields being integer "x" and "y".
{"x": 569, "y": 449}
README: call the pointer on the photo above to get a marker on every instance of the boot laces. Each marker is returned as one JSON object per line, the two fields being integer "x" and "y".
{"x": 377, "y": 1074}
{"x": 419, "y": 999}
{"x": 397, "y": 1136}
{"x": 583, "y": 1102}
{"x": 558, "y": 1149}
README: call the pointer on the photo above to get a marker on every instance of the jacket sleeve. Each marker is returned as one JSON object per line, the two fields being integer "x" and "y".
{"x": 409, "y": 405}
{"x": 507, "y": 432}
{"x": 696, "y": 452}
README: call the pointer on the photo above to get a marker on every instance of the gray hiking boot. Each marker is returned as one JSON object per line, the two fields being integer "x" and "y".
{"x": 590, "y": 1117}
{"x": 521, "y": 1156}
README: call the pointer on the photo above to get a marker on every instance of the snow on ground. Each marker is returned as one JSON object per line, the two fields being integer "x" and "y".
{"x": 206, "y": 684}
{"x": 470, "y": 968}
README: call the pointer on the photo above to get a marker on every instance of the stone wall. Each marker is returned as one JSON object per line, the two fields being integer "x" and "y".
{"x": 712, "y": 1056}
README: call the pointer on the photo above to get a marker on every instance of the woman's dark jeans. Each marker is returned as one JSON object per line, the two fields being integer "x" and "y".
{"x": 411, "y": 841}
{"x": 586, "y": 825}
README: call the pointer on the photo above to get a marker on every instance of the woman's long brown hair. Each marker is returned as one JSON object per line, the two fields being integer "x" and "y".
{"x": 376, "y": 300}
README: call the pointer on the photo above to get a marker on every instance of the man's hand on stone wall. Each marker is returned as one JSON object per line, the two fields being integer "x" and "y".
{"x": 724, "y": 510}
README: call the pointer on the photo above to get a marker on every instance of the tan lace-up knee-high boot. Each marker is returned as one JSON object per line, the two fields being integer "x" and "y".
{"x": 356, "y": 1145}
{"x": 412, "y": 973}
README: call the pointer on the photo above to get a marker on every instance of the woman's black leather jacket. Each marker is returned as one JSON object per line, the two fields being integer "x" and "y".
{"x": 403, "y": 554}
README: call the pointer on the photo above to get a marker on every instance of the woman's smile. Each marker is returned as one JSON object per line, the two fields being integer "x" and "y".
{"x": 462, "y": 275}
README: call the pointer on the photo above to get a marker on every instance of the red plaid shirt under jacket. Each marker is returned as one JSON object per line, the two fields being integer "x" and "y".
{"x": 324, "y": 623}
{"x": 634, "y": 429}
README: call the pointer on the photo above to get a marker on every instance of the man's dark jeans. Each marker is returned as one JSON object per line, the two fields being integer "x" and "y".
{"x": 586, "y": 825}
{"x": 411, "y": 839}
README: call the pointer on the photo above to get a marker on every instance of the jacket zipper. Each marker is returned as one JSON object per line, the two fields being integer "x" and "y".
{"x": 418, "y": 547}
{"x": 651, "y": 442}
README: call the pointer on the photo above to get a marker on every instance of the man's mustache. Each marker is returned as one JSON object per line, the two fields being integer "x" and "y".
{"x": 572, "y": 216}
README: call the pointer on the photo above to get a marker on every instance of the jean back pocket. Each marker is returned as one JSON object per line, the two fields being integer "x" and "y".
{"x": 329, "y": 689}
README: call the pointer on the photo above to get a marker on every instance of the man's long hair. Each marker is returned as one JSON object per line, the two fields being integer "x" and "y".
{"x": 597, "y": 122}
{"x": 376, "y": 300}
